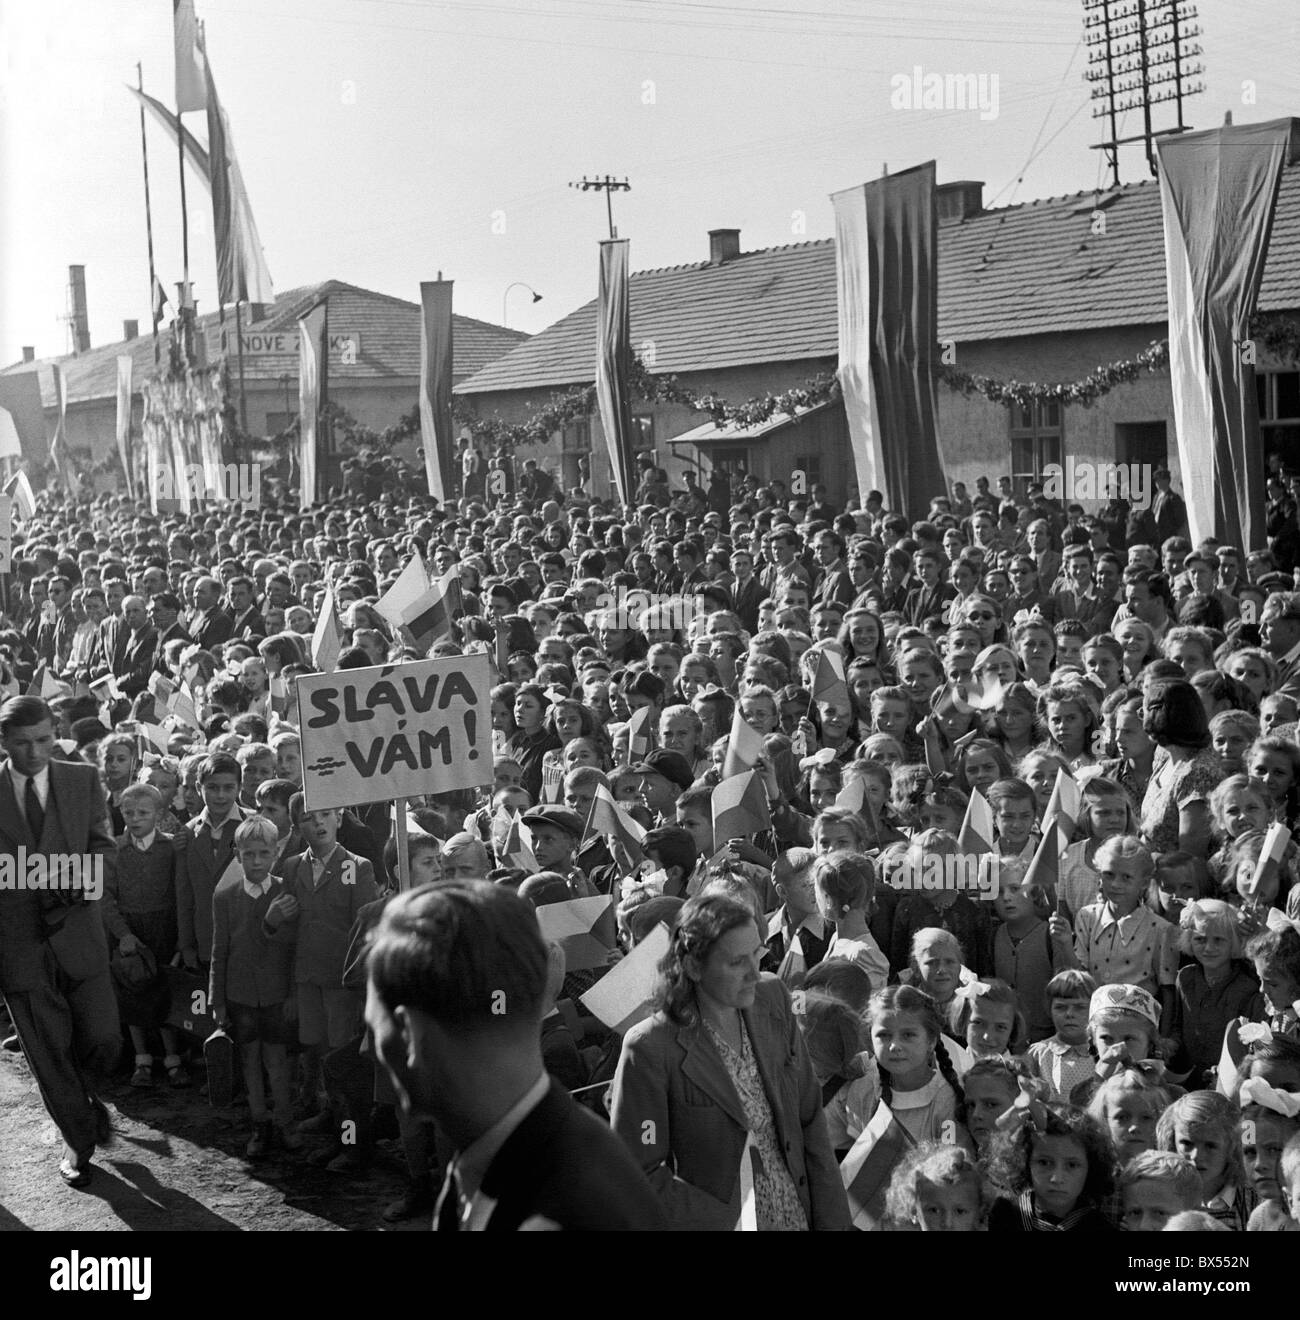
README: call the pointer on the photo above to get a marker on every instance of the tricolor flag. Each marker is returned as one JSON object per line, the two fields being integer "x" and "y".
{"x": 829, "y": 683}
{"x": 191, "y": 91}
{"x": 1064, "y": 808}
{"x": 740, "y": 808}
{"x": 870, "y": 1164}
{"x": 854, "y": 796}
{"x": 609, "y": 820}
{"x": 46, "y": 686}
{"x": 640, "y": 733}
{"x": 429, "y": 619}
{"x": 517, "y": 848}
{"x": 744, "y": 747}
{"x": 977, "y": 829}
{"x": 1045, "y": 868}
{"x": 410, "y": 585}
{"x": 327, "y": 638}
{"x": 436, "y": 340}
{"x": 613, "y": 361}
{"x": 623, "y": 997}
{"x": 1218, "y": 193}
{"x": 11, "y": 446}
{"x": 59, "y": 443}
{"x": 23, "y": 497}
{"x": 585, "y": 928}
{"x": 183, "y": 706}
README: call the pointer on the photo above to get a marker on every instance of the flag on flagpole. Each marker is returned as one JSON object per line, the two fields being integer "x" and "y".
{"x": 327, "y": 638}
{"x": 517, "y": 848}
{"x": 160, "y": 300}
{"x": 429, "y": 619}
{"x": 829, "y": 683}
{"x": 1218, "y": 193}
{"x": 313, "y": 349}
{"x": 1064, "y": 808}
{"x": 125, "y": 366}
{"x": 622, "y": 997}
{"x": 613, "y": 361}
{"x": 640, "y": 733}
{"x": 740, "y": 808}
{"x": 977, "y": 828}
{"x": 744, "y": 747}
{"x": 608, "y": 820}
{"x": 410, "y": 586}
{"x": 435, "y": 386}
{"x": 585, "y": 928}
{"x": 59, "y": 443}
{"x": 870, "y": 1164}
{"x": 190, "y": 88}
{"x": 23, "y": 496}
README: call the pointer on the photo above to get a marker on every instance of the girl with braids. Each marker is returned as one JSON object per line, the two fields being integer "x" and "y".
{"x": 1056, "y": 1170}
{"x": 911, "y": 1067}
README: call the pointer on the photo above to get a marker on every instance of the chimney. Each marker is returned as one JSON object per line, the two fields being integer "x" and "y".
{"x": 959, "y": 201}
{"x": 724, "y": 246}
{"x": 77, "y": 309}
{"x": 130, "y": 329}
{"x": 29, "y": 353}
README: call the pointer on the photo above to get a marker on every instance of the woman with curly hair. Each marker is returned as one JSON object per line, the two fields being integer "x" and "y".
{"x": 720, "y": 1074}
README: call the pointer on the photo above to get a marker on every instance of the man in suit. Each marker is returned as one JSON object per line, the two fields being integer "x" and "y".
{"x": 164, "y": 615}
{"x": 210, "y": 624}
{"x": 243, "y": 606}
{"x": 54, "y": 970}
{"x": 746, "y": 592}
{"x": 54, "y": 637}
{"x": 136, "y": 664}
{"x": 834, "y": 581}
{"x": 456, "y": 997}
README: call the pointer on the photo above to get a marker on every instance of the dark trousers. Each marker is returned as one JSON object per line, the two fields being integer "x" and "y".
{"x": 70, "y": 1038}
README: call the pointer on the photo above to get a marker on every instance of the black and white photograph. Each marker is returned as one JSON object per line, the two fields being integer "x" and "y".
{"x": 649, "y": 616}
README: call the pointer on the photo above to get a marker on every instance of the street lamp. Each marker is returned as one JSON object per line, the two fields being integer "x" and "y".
{"x": 518, "y": 284}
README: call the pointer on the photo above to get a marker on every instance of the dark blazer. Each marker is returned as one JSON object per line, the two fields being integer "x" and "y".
{"x": 563, "y": 1168}
{"x": 251, "y": 963}
{"x": 175, "y": 633}
{"x": 137, "y": 661}
{"x": 328, "y": 913}
{"x": 211, "y": 629}
{"x": 745, "y": 600}
{"x": 834, "y": 588}
{"x": 197, "y": 873}
{"x": 250, "y": 623}
{"x": 677, "y": 1110}
{"x": 76, "y": 822}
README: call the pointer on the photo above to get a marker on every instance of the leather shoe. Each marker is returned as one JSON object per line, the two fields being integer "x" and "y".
{"x": 11, "y": 1043}
{"x": 104, "y": 1133}
{"x": 74, "y": 1175}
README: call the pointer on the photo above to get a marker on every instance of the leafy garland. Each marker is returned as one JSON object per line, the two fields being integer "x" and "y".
{"x": 1279, "y": 335}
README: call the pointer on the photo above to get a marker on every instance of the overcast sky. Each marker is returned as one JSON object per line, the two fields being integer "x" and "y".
{"x": 384, "y": 140}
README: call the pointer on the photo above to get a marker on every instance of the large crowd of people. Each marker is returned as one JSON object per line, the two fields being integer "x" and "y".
{"x": 1105, "y": 1037}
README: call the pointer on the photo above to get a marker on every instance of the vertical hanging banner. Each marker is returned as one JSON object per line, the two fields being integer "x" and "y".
{"x": 886, "y": 262}
{"x": 313, "y": 346}
{"x": 58, "y": 446}
{"x": 20, "y": 395}
{"x": 125, "y": 366}
{"x": 189, "y": 63}
{"x": 1218, "y": 193}
{"x": 613, "y": 357}
{"x": 435, "y": 386}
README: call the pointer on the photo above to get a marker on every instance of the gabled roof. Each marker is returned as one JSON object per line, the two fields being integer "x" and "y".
{"x": 1036, "y": 268}
{"x": 388, "y": 327}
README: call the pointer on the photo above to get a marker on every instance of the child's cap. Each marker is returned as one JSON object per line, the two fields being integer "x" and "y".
{"x": 1125, "y": 999}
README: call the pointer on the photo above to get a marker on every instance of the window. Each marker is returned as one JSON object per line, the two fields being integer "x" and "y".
{"x": 643, "y": 431}
{"x": 1279, "y": 413}
{"x": 732, "y": 459}
{"x": 811, "y": 466}
{"x": 1035, "y": 441}
{"x": 576, "y": 437}
{"x": 1142, "y": 442}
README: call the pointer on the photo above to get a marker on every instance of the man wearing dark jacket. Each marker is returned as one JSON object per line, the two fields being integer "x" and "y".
{"x": 457, "y": 992}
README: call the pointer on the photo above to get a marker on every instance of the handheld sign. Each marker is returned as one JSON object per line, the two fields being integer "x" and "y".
{"x": 395, "y": 731}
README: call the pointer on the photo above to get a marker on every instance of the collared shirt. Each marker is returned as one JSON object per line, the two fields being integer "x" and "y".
{"x": 204, "y": 820}
{"x": 794, "y": 954}
{"x": 1061, "y": 1065}
{"x": 1139, "y": 949}
{"x": 41, "y": 780}
{"x": 256, "y": 891}
{"x": 143, "y": 845}
{"x": 469, "y": 1167}
{"x": 318, "y": 865}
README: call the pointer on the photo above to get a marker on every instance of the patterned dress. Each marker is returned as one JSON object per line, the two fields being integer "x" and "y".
{"x": 777, "y": 1200}
{"x": 1172, "y": 787}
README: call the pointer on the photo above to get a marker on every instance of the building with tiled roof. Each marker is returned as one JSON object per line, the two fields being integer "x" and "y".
{"x": 1042, "y": 291}
{"x": 373, "y": 370}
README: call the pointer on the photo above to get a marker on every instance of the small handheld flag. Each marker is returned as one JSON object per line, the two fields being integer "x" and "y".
{"x": 744, "y": 747}
{"x": 977, "y": 829}
{"x": 740, "y": 808}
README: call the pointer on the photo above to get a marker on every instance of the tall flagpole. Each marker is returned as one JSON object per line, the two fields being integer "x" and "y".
{"x": 187, "y": 332}
{"x": 148, "y": 222}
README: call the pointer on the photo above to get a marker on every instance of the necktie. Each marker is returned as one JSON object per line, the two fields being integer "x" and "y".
{"x": 35, "y": 812}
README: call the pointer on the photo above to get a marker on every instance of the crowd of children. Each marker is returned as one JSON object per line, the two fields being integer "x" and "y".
{"x": 1098, "y": 1031}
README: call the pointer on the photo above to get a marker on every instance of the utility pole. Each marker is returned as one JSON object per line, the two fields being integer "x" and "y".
{"x": 609, "y": 186}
